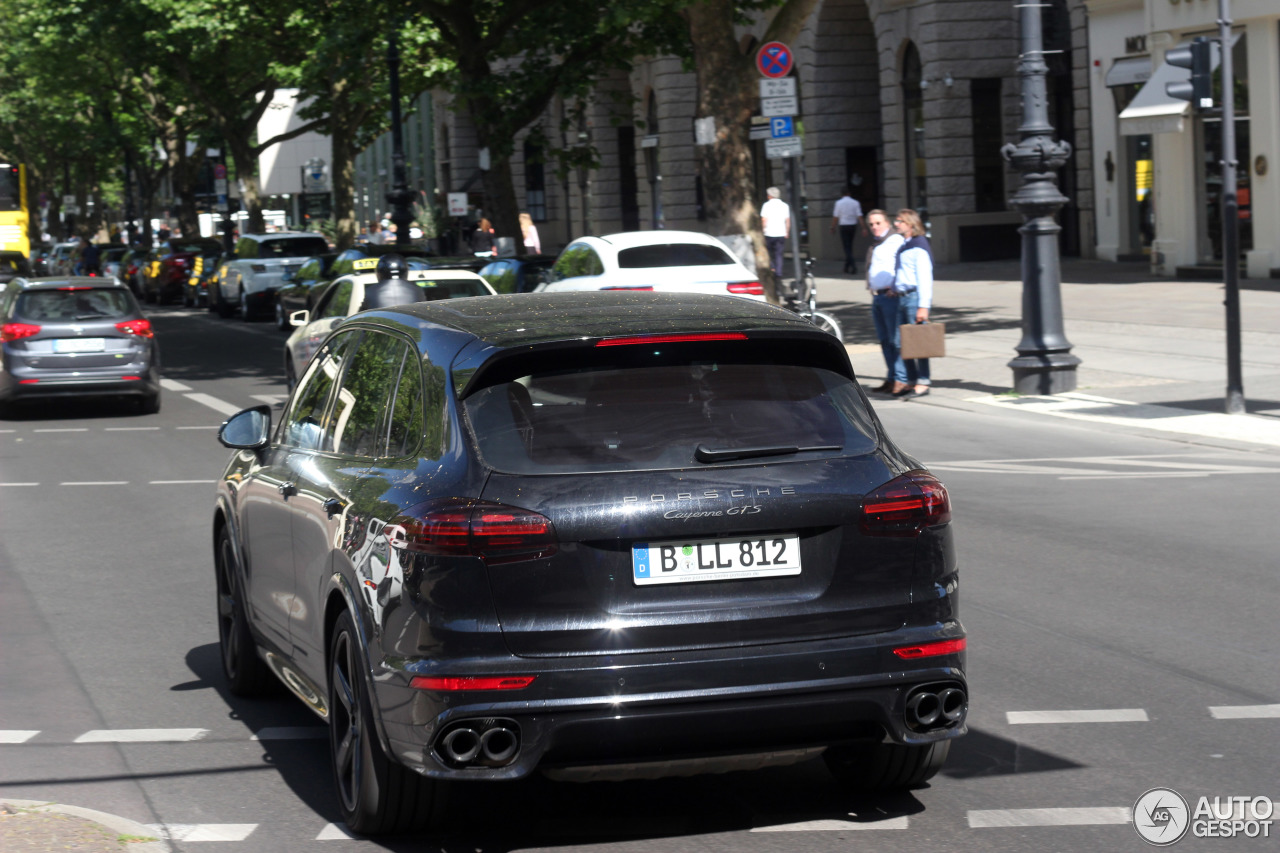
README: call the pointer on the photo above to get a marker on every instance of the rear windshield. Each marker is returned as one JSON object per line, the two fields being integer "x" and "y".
{"x": 81, "y": 303}
{"x": 673, "y": 255}
{"x": 656, "y": 416}
{"x": 292, "y": 247}
{"x": 453, "y": 288}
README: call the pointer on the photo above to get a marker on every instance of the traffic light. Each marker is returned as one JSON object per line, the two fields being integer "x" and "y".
{"x": 1199, "y": 89}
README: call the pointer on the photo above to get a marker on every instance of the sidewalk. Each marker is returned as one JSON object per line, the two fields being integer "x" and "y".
{"x": 1153, "y": 350}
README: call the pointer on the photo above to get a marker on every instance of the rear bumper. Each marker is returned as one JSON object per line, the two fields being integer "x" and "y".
{"x": 96, "y": 382}
{"x": 650, "y": 708}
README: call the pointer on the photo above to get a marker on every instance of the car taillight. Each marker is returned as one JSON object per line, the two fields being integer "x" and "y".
{"x": 133, "y": 269}
{"x": 472, "y": 682}
{"x": 694, "y": 337}
{"x": 494, "y": 532}
{"x": 750, "y": 288}
{"x": 906, "y": 505}
{"x": 930, "y": 650}
{"x": 141, "y": 328}
{"x": 14, "y": 331}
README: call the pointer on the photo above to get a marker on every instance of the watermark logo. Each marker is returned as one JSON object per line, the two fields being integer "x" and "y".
{"x": 1161, "y": 816}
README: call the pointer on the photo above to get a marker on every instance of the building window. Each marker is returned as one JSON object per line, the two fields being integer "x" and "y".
{"x": 988, "y": 136}
{"x": 535, "y": 182}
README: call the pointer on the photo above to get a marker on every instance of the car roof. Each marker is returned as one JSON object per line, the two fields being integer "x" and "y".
{"x": 630, "y": 239}
{"x": 274, "y": 235}
{"x": 55, "y": 282}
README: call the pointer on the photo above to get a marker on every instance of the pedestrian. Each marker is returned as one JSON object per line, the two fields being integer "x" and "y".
{"x": 482, "y": 238}
{"x": 532, "y": 246}
{"x": 882, "y": 261}
{"x": 775, "y": 220}
{"x": 913, "y": 281}
{"x": 90, "y": 258}
{"x": 847, "y": 216}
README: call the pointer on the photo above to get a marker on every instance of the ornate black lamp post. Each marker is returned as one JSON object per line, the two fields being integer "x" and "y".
{"x": 1044, "y": 364}
{"x": 400, "y": 197}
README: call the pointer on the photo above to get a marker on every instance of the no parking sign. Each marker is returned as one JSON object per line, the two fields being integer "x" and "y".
{"x": 774, "y": 59}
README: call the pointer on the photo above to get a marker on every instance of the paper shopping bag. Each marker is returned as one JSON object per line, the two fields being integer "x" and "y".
{"x": 925, "y": 340}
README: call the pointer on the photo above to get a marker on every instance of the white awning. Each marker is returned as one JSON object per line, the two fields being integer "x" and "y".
{"x": 1125, "y": 72}
{"x": 1153, "y": 110}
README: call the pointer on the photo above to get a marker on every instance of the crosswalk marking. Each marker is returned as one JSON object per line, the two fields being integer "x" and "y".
{"x": 290, "y": 733}
{"x": 141, "y": 735}
{"x": 835, "y": 825}
{"x": 1097, "y": 816}
{"x": 17, "y": 735}
{"x": 335, "y": 832}
{"x": 173, "y": 385}
{"x": 221, "y": 406}
{"x": 270, "y": 399}
{"x": 203, "y": 831}
{"x": 1244, "y": 712}
{"x": 1106, "y": 715}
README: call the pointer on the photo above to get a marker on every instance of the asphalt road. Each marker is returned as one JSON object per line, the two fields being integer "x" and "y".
{"x": 1125, "y": 579}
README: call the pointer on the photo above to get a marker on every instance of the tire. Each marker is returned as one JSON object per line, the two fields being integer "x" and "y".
{"x": 245, "y": 314}
{"x": 282, "y": 322}
{"x": 220, "y": 305}
{"x": 376, "y": 795}
{"x": 290, "y": 374}
{"x": 187, "y": 300}
{"x": 826, "y": 323}
{"x": 150, "y": 405}
{"x": 247, "y": 674}
{"x": 882, "y": 767}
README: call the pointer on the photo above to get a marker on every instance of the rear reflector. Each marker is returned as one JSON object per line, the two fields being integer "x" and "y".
{"x": 643, "y": 340}
{"x": 141, "y": 328}
{"x": 132, "y": 378}
{"x": 750, "y": 288}
{"x": 452, "y": 683}
{"x": 494, "y": 532}
{"x": 906, "y": 505}
{"x": 28, "y": 381}
{"x": 932, "y": 650}
{"x": 14, "y": 331}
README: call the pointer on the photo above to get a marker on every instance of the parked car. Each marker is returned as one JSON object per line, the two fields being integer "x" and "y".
{"x": 40, "y": 253}
{"x": 12, "y": 265}
{"x": 647, "y": 534}
{"x": 59, "y": 260}
{"x": 110, "y": 262}
{"x": 169, "y": 265}
{"x": 522, "y": 274}
{"x": 132, "y": 266}
{"x": 201, "y": 279}
{"x": 346, "y": 260}
{"x": 248, "y": 282}
{"x": 345, "y": 296}
{"x": 299, "y": 289}
{"x": 665, "y": 261}
{"x": 74, "y": 337}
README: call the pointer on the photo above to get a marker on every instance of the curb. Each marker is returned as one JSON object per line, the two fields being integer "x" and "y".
{"x": 115, "y": 823}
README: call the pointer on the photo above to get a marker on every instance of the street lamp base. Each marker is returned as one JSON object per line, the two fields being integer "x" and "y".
{"x": 1044, "y": 375}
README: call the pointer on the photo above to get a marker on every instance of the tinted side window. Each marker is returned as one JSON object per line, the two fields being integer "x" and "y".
{"x": 367, "y": 387}
{"x": 305, "y": 425}
{"x": 339, "y": 301}
{"x": 405, "y": 433}
{"x": 501, "y": 276}
{"x": 247, "y": 248}
{"x": 572, "y": 262}
{"x": 594, "y": 265}
{"x": 308, "y": 270}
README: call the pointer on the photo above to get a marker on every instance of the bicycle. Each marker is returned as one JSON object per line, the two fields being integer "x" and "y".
{"x": 802, "y": 298}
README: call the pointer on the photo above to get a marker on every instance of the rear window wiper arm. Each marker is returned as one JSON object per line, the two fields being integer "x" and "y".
{"x": 707, "y": 454}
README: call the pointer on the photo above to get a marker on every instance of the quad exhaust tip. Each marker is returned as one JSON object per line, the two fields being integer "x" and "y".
{"x": 480, "y": 743}
{"x": 936, "y": 706}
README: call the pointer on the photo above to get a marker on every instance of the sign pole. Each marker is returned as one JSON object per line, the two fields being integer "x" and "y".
{"x": 1230, "y": 217}
{"x": 793, "y": 178}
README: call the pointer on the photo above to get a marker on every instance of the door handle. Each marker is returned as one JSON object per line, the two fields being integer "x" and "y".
{"x": 287, "y": 489}
{"x": 333, "y": 506}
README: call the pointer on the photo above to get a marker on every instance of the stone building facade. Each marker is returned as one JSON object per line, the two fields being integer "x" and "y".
{"x": 908, "y": 101}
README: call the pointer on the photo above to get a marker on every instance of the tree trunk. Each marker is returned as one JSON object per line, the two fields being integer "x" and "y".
{"x": 247, "y": 174}
{"x": 342, "y": 127}
{"x": 501, "y": 207}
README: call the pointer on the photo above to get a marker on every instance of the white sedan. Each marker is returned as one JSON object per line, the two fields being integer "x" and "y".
{"x": 345, "y": 295}
{"x": 667, "y": 261}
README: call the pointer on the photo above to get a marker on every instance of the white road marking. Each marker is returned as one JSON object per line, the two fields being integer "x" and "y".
{"x": 335, "y": 832}
{"x": 17, "y": 735}
{"x": 203, "y": 831}
{"x": 214, "y": 403}
{"x": 141, "y": 735}
{"x": 1105, "y": 467}
{"x": 97, "y": 483}
{"x": 63, "y": 429}
{"x": 1102, "y": 815}
{"x": 18, "y": 484}
{"x": 1105, "y": 715}
{"x": 290, "y": 733}
{"x": 173, "y": 385}
{"x": 179, "y": 482}
{"x": 1244, "y": 712}
{"x": 7, "y": 431}
{"x": 835, "y": 825}
{"x": 199, "y": 427}
{"x": 270, "y": 399}
{"x": 129, "y": 429}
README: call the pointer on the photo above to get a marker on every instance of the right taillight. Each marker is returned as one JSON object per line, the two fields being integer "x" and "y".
{"x": 746, "y": 288}
{"x": 906, "y": 505}
{"x": 496, "y": 533}
{"x": 14, "y": 331}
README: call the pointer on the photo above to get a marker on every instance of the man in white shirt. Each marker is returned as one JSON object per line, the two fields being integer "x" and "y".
{"x": 882, "y": 264}
{"x": 847, "y": 216}
{"x": 775, "y": 218}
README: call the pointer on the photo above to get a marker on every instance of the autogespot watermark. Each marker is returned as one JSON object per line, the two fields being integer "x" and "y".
{"x": 1162, "y": 816}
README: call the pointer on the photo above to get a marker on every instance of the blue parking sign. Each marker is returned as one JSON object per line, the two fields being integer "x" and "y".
{"x": 780, "y": 127}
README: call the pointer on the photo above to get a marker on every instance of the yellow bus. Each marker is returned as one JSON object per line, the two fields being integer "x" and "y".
{"x": 13, "y": 209}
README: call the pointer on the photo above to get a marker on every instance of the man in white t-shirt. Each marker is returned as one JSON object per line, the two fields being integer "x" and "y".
{"x": 775, "y": 218}
{"x": 847, "y": 216}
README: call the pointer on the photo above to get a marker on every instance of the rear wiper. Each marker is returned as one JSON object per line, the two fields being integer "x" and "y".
{"x": 707, "y": 454}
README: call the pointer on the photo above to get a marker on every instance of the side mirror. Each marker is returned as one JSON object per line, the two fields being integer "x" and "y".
{"x": 299, "y": 318}
{"x": 247, "y": 430}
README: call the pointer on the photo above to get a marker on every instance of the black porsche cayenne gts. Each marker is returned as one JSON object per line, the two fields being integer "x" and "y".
{"x": 594, "y": 535}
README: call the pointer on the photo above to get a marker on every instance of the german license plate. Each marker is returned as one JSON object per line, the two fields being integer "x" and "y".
{"x": 694, "y": 560}
{"x": 79, "y": 345}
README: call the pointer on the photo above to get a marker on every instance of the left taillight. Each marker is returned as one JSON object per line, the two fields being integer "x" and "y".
{"x": 16, "y": 331}
{"x": 141, "y": 328}
{"x": 746, "y": 288}
{"x": 496, "y": 533}
{"x": 906, "y": 505}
